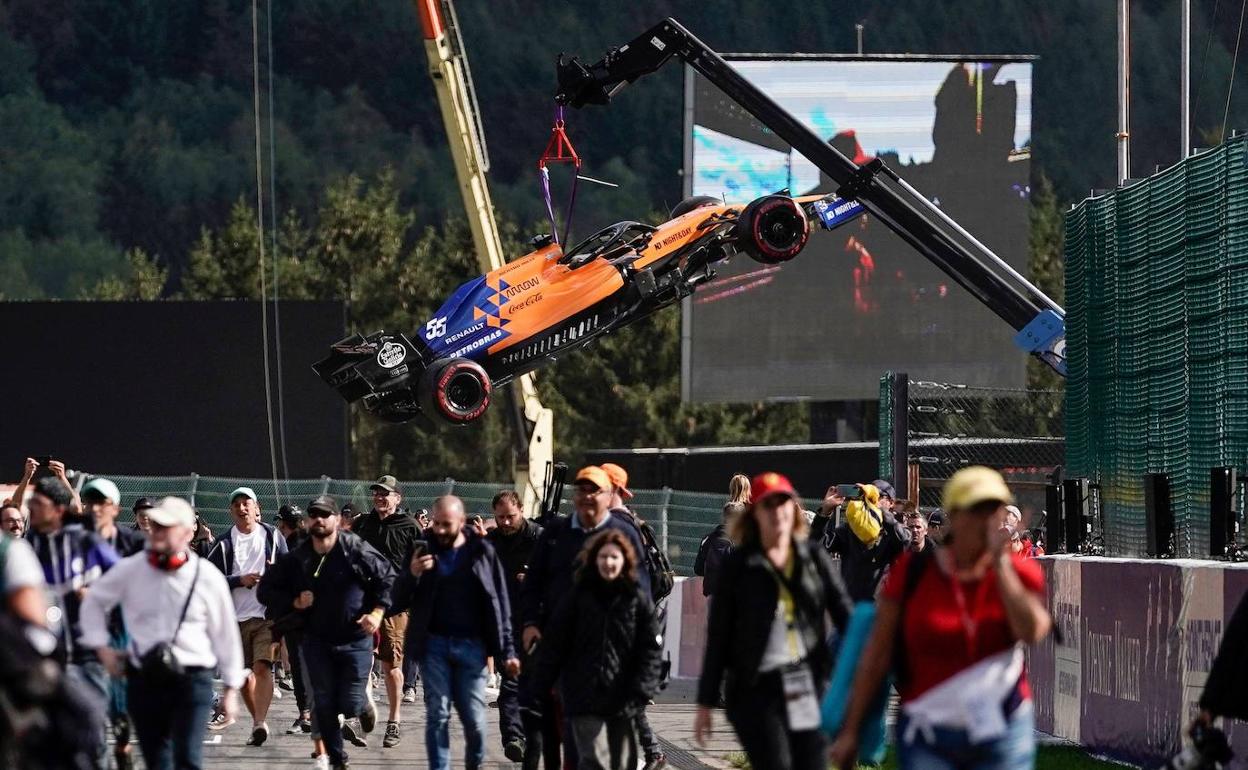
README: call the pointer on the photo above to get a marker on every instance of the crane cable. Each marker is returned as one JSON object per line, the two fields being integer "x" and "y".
{"x": 1234, "y": 63}
{"x": 277, "y": 311}
{"x": 264, "y": 311}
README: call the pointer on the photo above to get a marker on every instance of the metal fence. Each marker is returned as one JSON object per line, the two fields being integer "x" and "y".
{"x": 947, "y": 426}
{"x": 680, "y": 519}
{"x": 1157, "y": 341}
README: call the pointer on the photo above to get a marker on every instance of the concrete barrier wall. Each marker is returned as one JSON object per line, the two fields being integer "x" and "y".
{"x": 1137, "y": 639}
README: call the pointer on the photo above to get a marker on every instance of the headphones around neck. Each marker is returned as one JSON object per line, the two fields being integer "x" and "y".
{"x": 167, "y": 561}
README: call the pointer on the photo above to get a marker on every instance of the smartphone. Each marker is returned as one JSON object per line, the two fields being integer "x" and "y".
{"x": 43, "y": 460}
{"x": 849, "y": 491}
{"x": 419, "y": 549}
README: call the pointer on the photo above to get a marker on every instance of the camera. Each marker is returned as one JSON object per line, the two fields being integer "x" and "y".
{"x": 1209, "y": 750}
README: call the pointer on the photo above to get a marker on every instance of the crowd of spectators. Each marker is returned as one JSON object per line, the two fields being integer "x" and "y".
{"x": 156, "y": 628}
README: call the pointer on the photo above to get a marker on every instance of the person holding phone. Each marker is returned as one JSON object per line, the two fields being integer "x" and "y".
{"x": 455, "y": 592}
{"x": 868, "y": 540}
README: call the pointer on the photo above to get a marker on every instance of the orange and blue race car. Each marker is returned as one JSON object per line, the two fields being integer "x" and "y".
{"x": 551, "y": 301}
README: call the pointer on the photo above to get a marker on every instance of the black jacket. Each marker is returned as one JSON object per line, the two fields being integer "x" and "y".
{"x": 392, "y": 536}
{"x": 862, "y": 566}
{"x": 1226, "y": 689}
{"x": 605, "y": 649}
{"x": 714, "y": 549}
{"x": 292, "y": 574}
{"x": 515, "y": 552}
{"x": 739, "y": 629}
{"x": 221, "y": 555}
{"x": 553, "y": 564}
{"x": 415, "y": 594}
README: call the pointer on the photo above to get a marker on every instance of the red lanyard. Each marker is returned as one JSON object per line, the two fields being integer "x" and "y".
{"x": 970, "y": 624}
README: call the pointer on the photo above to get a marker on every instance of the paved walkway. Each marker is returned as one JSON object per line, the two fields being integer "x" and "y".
{"x": 672, "y": 720}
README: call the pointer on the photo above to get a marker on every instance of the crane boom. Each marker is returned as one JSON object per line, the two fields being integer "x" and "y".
{"x": 448, "y": 67}
{"x": 1038, "y": 320}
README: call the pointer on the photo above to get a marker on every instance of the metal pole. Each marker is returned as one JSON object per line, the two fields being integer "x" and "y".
{"x": 667, "y": 500}
{"x": 1124, "y": 90}
{"x": 1185, "y": 80}
{"x": 859, "y": 27}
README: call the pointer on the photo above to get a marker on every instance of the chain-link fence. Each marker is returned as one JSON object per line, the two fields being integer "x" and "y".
{"x": 680, "y": 519}
{"x": 950, "y": 426}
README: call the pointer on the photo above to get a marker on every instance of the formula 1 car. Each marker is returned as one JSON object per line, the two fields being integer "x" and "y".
{"x": 550, "y": 302}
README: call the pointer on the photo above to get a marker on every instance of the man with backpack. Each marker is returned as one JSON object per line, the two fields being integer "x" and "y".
{"x": 655, "y": 563}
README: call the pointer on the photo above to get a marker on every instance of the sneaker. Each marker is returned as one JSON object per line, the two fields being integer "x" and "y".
{"x": 301, "y": 725}
{"x": 277, "y": 692}
{"x": 353, "y": 733}
{"x": 409, "y": 694}
{"x": 259, "y": 735}
{"x": 322, "y": 762}
{"x": 343, "y": 766}
{"x": 514, "y": 750}
{"x": 656, "y": 762}
{"x": 392, "y": 735}
{"x": 368, "y": 717}
{"x": 219, "y": 722}
{"x": 286, "y": 683}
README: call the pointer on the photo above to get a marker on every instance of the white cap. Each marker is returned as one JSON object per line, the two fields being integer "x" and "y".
{"x": 103, "y": 487}
{"x": 172, "y": 512}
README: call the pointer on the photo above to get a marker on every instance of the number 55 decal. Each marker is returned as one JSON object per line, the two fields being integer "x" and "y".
{"x": 435, "y": 328}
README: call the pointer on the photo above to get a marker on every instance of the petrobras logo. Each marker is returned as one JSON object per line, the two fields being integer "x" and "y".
{"x": 391, "y": 355}
{"x": 523, "y": 286}
{"x": 528, "y": 302}
{"x": 478, "y": 344}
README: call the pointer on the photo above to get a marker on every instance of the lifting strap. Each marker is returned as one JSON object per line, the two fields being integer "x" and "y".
{"x": 559, "y": 150}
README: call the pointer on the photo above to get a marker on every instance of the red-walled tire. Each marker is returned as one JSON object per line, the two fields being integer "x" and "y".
{"x": 455, "y": 390}
{"x": 773, "y": 229}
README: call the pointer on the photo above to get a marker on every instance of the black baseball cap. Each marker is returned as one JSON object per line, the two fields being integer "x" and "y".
{"x": 324, "y": 504}
{"x": 291, "y": 514}
{"x": 143, "y": 504}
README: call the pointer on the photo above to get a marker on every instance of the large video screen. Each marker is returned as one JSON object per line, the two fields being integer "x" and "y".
{"x": 859, "y": 301}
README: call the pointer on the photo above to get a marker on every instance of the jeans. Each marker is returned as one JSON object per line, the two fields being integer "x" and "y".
{"x": 93, "y": 681}
{"x": 758, "y": 714}
{"x": 454, "y": 673}
{"x": 952, "y": 749}
{"x": 605, "y": 743}
{"x": 338, "y": 673}
{"x": 293, "y": 640}
{"x": 170, "y": 720}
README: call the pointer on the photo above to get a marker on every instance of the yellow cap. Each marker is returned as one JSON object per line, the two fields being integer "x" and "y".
{"x": 972, "y": 486}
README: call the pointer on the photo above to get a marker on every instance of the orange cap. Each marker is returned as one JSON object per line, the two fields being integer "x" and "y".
{"x": 594, "y": 475}
{"x": 619, "y": 479}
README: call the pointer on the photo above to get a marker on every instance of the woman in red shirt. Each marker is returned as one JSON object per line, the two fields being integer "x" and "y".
{"x": 961, "y": 616}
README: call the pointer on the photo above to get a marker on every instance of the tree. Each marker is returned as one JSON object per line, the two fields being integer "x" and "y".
{"x": 145, "y": 279}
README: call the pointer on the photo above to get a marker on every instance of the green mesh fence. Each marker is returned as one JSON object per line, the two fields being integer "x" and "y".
{"x": 680, "y": 519}
{"x": 1157, "y": 341}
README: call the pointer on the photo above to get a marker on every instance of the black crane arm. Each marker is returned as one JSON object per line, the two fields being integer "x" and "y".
{"x": 1038, "y": 319}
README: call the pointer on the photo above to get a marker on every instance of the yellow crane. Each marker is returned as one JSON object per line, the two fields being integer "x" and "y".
{"x": 532, "y": 423}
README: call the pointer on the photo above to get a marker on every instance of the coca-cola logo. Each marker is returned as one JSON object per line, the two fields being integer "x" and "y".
{"x": 518, "y": 306}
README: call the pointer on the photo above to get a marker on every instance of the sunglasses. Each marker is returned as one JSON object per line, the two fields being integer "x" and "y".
{"x": 319, "y": 514}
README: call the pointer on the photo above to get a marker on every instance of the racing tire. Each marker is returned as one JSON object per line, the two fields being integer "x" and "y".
{"x": 696, "y": 202}
{"x": 773, "y": 229}
{"x": 455, "y": 390}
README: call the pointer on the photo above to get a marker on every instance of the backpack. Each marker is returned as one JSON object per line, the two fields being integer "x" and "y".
{"x": 662, "y": 576}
